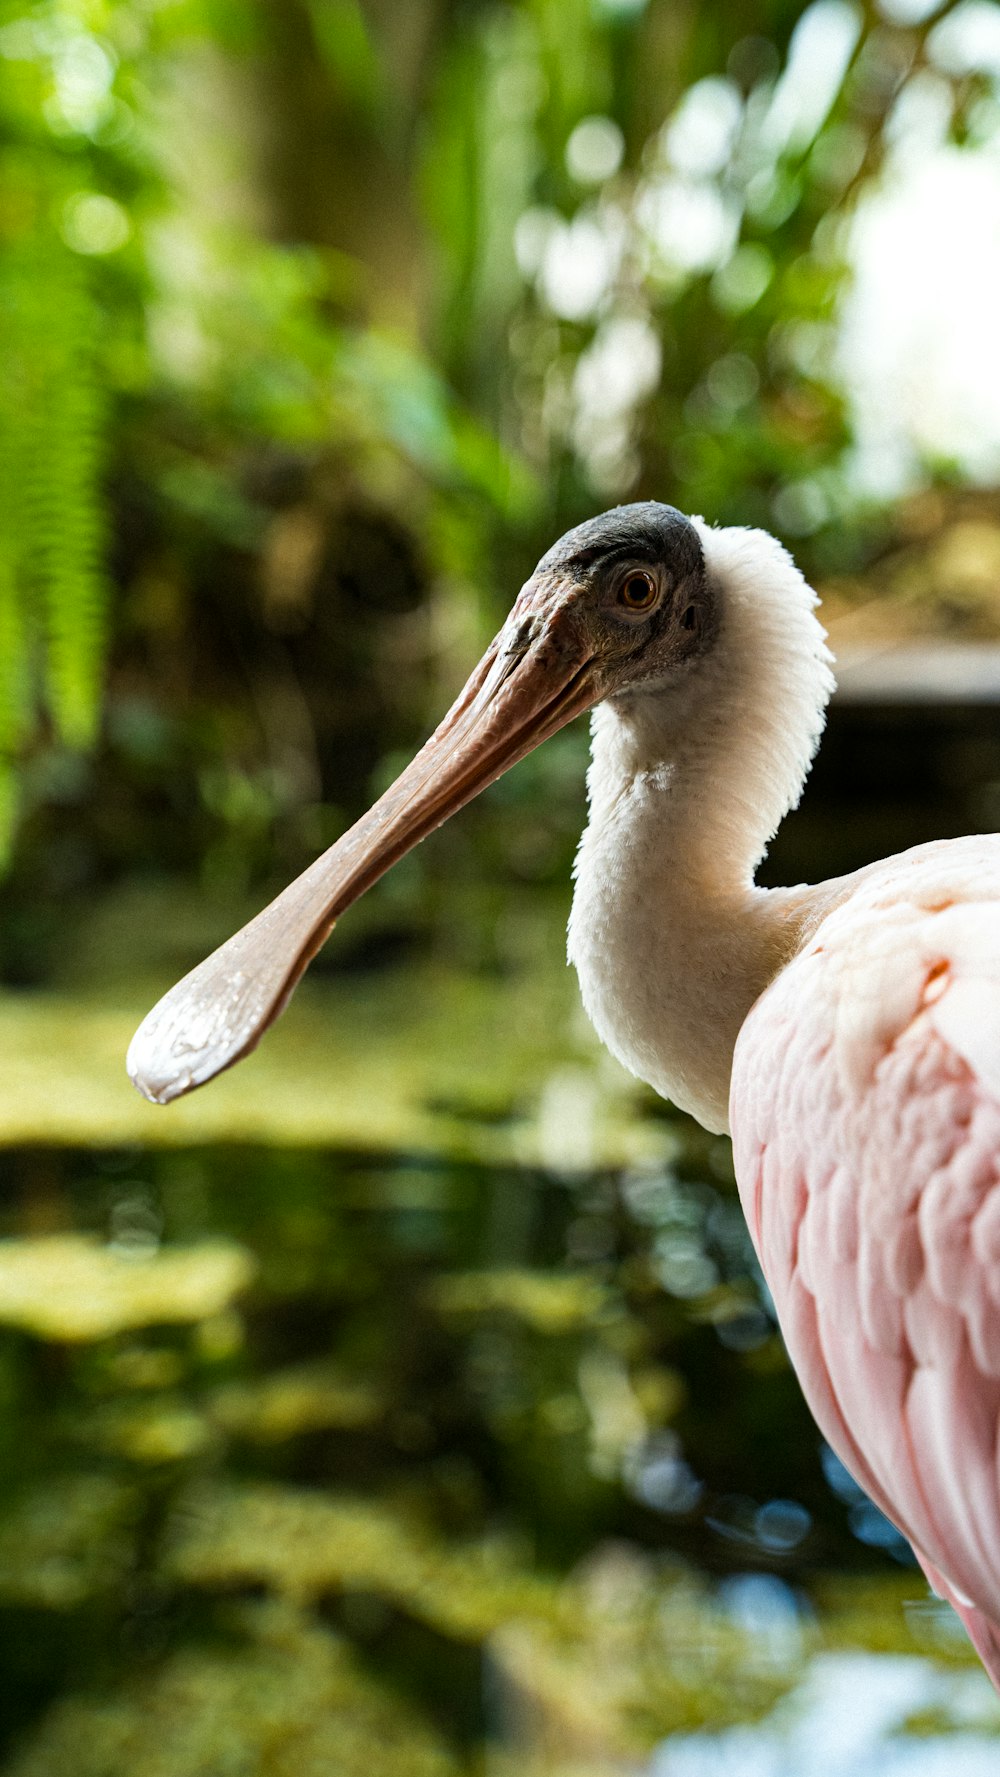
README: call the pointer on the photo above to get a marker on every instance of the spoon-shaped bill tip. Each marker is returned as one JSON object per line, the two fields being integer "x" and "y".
{"x": 219, "y": 1011}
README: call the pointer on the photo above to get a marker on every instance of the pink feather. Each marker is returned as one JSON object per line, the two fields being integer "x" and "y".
{"x": 865, "y": 1111}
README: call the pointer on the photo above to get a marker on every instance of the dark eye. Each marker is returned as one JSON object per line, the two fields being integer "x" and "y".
{"x": 638, "y": 591}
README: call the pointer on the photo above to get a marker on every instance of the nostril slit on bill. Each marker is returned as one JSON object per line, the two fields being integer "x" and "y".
{"x": 523, "y": 636}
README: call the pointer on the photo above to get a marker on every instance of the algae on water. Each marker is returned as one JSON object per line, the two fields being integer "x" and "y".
{"x": 430, "y": 1497}
{"x": 66, "y": 1541}
{"x": 548, "y": 1302}
{"x": 304, "y": 1544}
{"x": 306, "y": 1398}
{"x": 71, "y": 1289}
{"x": 281, "y": 1697}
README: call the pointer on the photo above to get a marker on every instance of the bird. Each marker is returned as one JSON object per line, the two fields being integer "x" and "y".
{"x": 846, "y": 1034}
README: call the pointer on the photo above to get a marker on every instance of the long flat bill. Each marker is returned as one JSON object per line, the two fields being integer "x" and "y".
{"x": 531, "y": 681}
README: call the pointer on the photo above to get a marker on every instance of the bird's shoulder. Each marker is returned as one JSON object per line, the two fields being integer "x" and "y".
{"x": 911, "y": 945}
{"x": 884, "y": 1028}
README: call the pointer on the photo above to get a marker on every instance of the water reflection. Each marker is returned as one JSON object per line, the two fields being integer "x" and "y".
{"x": 294, "y": 1443}
{"x": 855, "y": 1715}
{"x": 867, "y": 1522}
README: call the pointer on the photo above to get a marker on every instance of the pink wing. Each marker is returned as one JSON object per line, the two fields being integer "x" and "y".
{"x": 865, "y": 1110}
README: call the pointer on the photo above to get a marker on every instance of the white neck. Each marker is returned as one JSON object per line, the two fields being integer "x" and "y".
{"x": 688, "y": 782}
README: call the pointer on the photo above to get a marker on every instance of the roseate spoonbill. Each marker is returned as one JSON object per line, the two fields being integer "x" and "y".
{"x": 849, "y": 1033}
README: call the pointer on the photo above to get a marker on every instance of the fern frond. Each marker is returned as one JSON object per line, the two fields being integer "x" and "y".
{"x": 64, "y": 496}
{"x": 53, "y": 597}
{"x": 15, "y": 666}
{"x": 10, "y": 806}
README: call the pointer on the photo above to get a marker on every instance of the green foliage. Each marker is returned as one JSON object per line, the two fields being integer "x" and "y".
{"x": 63, "y": 508}
{"x": 126, "y": 303}
{"x": 345, "y": 42}
{"x": 52, "y": 421}
{"x": 55, "y": 417}
{"x": 271, "y": 276}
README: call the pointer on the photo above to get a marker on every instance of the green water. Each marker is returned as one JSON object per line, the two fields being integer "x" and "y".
{"x": 316, "y": 1463}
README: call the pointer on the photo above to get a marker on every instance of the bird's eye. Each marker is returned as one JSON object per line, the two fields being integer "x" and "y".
{"x": 638, "y": 592}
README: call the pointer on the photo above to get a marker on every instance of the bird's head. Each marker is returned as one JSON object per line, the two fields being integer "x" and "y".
{"x": 620, "y": 603}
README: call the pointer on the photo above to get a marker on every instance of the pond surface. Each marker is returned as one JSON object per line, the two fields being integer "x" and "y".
{"x": 318, "y": 1462}
{"x": 408, "y": 1404}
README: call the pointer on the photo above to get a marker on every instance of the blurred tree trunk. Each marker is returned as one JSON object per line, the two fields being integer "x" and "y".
{"x": 335, "y": 99}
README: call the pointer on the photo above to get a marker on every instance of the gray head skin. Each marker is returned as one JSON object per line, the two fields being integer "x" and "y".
{"x": 618, "y": 605}
{"x": 635, "y": 577}
{"x": 647, "y": 530}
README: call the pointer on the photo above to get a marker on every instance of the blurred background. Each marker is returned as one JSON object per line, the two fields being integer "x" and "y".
{"x": 409, "y": 1401}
